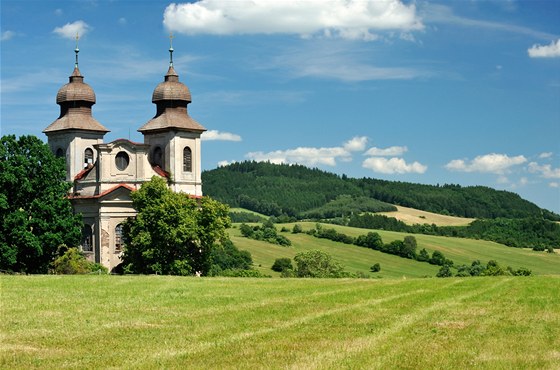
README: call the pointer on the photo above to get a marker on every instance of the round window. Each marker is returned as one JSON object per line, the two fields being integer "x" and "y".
{"x": 122, "y": 160}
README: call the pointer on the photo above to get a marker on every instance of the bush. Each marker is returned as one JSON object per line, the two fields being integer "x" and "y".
{"x": 444, "y": 271}
{"x": 73, "y": 262}
{"x": 317, "y": 264}
{"x": 282, "y": 264}
{"x": 375, "y": 268}
{"x": 243, "y": 273}
{"x": 297, "y": 229}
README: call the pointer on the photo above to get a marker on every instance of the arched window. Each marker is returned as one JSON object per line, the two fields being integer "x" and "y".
{"x": 187, "y": 159}
{"x": 59, "y": 153}
{"x": 118, "y": 237}
{"x": 122, "y": 160}
{"x": 157, "y": 157}
{"x": 88, "y": 157}
{"x": 87, "y": 238}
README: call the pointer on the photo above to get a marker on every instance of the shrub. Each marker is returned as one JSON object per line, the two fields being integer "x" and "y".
{"x": 375, "y": 268}
{"x": 73, "y": 262}
{"x": 317, "y": 264}
{"x": 444, "y": 271}
{"x": 297, "y": 229}
{"x": 282, "y": 264}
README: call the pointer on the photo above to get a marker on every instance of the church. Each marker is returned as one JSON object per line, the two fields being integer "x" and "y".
{"x": 104, "y": 174}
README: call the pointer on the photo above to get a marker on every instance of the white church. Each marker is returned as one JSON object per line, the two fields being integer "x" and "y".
{"x": 104, "y": 174}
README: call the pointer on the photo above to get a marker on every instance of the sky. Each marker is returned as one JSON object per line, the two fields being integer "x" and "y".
{"x": 433, "y": 92}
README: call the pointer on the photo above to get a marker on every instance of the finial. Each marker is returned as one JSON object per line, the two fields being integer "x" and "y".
{"x": 77, "y": 50}
{"x": 171, "y": 49}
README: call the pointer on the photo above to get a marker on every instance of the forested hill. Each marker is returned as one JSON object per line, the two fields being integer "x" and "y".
{"x": 296, "y": 190}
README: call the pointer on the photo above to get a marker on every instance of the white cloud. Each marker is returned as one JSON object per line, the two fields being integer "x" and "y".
{"x": 551, "y": 50}
{"x": 349, "y": 19}
{"x": 7, "y": 35}
{"x": 554, "y": 185}
{"x": 393, "y": 165}
{"x": 225, "y": 163}
{"x": 391, "y": 151}
{"x": 489, "y": 163}
{"x": 303, "y": 155}
{"x": 356, "y": 144}
{"x": 217, "y": 135}
{"x": 545, "y": 170}
{"x": 70, "y": 30}
{"x": 502, "y": 180}
{"x": 545, "y": 155}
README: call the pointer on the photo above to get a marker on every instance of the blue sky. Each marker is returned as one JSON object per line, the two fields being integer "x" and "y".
{"x": 463, "y": 92}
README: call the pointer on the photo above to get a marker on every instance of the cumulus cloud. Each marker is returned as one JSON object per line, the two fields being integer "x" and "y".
{"x": 545, "y": 170}
{"x": 303, "y": 155}
{"x": 7, "y": 35}
{"x": 217, "y": 135}
{"x": 349, "y": 19}
{"x": 70, "y": 30}
{"x": 391, "y": 151}
{"x": 551, "y": 50}
{"x": 545, "y": 155}
{"x": 356, "y": 144}
{"x": 393, "y": 165}
{"x": 489, "y": 163}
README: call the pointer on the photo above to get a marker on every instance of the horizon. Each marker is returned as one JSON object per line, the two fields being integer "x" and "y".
{"x": 425, "y": 92}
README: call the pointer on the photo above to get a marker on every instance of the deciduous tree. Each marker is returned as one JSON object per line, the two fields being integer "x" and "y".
{"x": 36, "y": 216}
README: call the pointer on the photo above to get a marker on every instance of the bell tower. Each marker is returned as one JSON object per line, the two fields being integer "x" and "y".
{"x": 173, "y": 136}
{"x": 75, "y": 132}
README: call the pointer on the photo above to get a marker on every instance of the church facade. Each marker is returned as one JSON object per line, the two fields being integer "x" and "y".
{"x": 104, "y": 174}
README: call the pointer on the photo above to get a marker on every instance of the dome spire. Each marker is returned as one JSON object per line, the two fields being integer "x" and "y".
{"x": 77, "y": 50}
{"x": 170, "y": 49}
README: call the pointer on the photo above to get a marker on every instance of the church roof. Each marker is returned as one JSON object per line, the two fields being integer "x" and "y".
{"x": 172, "y": 118}
{"x": 76, "y": 99}
{"x": 171, "y": 89}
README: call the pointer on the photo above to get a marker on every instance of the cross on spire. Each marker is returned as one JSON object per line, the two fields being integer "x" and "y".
{"x": 171, "y": 49}
{"x": 77, "y": 50}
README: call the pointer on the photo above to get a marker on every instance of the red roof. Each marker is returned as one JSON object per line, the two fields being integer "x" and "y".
{"x": 108, "y": 191}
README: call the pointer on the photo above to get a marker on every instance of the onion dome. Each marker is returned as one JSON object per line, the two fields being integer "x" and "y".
{"x": 171, "y": 89}
{"x": 171, "y": 98}
{"x": 75, "y": 90}
{"x": 75, "y": 99}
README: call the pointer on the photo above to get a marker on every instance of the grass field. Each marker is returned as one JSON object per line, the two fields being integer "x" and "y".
{"x": 147, "y": 322}
{"x": 461, "y": 251}
{"x": 413, "y": 216}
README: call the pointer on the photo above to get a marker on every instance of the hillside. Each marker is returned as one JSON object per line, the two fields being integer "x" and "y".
{"x": 294, "y": 190}
{"x": 359, "y": 259}
{"x": 412, "y": 216}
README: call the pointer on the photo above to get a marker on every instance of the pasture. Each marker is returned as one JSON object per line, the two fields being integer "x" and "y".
{"x": 146, "y": 322}
{"x": 358, "y": 259}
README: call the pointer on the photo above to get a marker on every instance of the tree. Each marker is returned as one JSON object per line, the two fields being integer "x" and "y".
{"x": 36, "y": 216}
{"x": 444, "y": 271}
{"x": 375, "y": 268}
{"x": 282, "y": 264}
{"x": 409, "y": 247}
{"x": 226, "y": 256}
{"x": 371, "y": 240}
{"x": 317, "y": 264}
{"x": 173, "y": 233}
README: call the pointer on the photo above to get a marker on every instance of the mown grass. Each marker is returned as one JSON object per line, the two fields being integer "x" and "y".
{"x": 146, "y": 322}
{"x": 460, "y": 250}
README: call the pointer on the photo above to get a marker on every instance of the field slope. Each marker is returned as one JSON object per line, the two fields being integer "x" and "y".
{"x": 88, "y": 322}
{"x": 358, "y": 259}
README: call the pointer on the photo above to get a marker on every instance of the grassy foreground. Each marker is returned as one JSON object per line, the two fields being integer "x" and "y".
{"x": 86, "y": 322}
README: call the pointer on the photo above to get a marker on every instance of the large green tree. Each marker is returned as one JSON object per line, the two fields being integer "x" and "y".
{"x": 36, "y": 216}
{"x": 173, "y": 233}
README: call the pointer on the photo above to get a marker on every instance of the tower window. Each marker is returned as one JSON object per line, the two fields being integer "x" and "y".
{"x": 87, "y": 239}
{"x": 118, "y": 237}
{"x": 157, "y": 157}
{"x": 88, "y": 157}
{"x": 187, "y": 159}
{"x": 59, "y": 153}
{"x": 122, "y": 160}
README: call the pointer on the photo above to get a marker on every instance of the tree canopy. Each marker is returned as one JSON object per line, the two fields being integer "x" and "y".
{"x": 36, "y": 216}
{"x": 173, "y": 233}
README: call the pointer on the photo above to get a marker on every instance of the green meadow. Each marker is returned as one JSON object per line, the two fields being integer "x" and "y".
{"x": 358, "y": 259}
{"x": 147, "y": 322}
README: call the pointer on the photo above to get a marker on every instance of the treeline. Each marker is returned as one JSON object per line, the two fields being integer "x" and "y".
{"x": 297, "y": 191}
{"x": 529, "y": 232}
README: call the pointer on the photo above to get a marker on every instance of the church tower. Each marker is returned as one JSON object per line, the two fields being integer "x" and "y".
{"x": 75, "y": 132}
{"x": 173, "y": 136}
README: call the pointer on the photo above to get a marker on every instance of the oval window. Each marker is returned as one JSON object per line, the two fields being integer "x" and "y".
{"x": 122, "y": 160}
